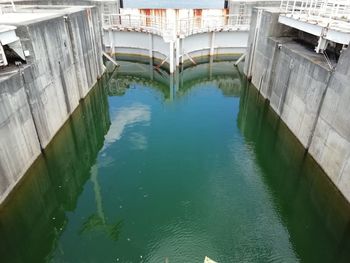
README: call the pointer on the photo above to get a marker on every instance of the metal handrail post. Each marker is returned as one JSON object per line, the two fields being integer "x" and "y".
{"x": 293, "y": 9}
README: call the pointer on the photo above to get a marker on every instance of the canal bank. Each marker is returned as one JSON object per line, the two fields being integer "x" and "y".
{"x": 308, "y": 92}
{"x": 55, "y": 64}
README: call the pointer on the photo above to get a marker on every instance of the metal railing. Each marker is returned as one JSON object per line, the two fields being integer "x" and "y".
{"x": 196, "y": 25}
{"x": 162, "y": 26}
{"x": 330, "y": 13}
{"x": 153, "y": 24}
{"x": 6, "y": 9}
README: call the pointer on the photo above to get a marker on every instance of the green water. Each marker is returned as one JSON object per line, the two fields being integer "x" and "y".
{"x": 158, "y": 169}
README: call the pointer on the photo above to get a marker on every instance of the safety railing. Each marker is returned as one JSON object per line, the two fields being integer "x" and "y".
{"x": 196, "y": 25}
{"x": 318, "y": 10}
{"x": 153, "y": 24}
{"x": 6, "y": 9}
{"x": 165, "y": 27}
{"x": 326, "y": 12}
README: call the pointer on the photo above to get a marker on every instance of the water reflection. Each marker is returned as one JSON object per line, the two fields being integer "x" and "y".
{"x": 35, "y": 216}
{"x": 307, "y": 201}
{"x": 126, "y": 116}
{"x": 220, "y": 74}
{"x": 97, "y": 221}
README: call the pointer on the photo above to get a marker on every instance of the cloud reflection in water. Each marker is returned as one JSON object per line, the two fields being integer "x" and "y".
{"x": 128, "y": 116}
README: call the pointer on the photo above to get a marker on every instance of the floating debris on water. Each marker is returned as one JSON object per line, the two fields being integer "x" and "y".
{"x": 208, "y": 260}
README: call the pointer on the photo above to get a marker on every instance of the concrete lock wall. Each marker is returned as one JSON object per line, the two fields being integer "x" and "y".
{"x": 36, "y": 100}
{"x": 304, "y": 92}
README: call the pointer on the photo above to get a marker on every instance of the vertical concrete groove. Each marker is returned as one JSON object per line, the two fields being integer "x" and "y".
{"x": 69, "y": 29}
{"x": 87, "y": 63}
{"x": 249, "y": 58}
{"x": 262, "y": 78}
{"x": 318, "y": 112}
{"x": 26, "y": 90}
{"x": 92, "y": 37}
{"x": 255, "y": 41}
{"x": 341, "y": 173}
{"x": 65, "y": 91}
{"x": 272, "y": 71}
{"x": 285, "y": 91}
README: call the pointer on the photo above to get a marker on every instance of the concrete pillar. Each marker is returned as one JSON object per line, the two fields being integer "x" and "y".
{"x": 177, "y": 59}
{"x": 151, "y": 71}
{"x": 111, "y": 42}
{"x": 177, "y": 81}
{"x": 150, "y": 45}
{"x": 212, "y": 42}
{"x": 171, "y": 87}
{"x": 171, "y": 57}
{"x": 182, "y": 50}
{"x": 211, "y": 60}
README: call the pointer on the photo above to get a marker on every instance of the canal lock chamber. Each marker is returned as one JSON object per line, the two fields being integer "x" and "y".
{"x": 155, "y": 166}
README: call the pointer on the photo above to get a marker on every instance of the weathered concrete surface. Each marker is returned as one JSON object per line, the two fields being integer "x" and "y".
{"x": 331, "y": 142}
{"x": 19, "y": 145}
{"x": 65, "y": 62}
{"x": 305, "y": 93}
{"x": 36, "y": 99}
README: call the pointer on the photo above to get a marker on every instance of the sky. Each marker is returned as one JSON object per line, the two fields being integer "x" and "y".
{"x": 174, "y": 4}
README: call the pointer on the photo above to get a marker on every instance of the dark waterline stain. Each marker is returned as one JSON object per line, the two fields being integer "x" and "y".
{"x": 151, "y": 167}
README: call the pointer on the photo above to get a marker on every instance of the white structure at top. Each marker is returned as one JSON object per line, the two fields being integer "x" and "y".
{"x": 174, "y": 36}
{"x": 327, "y": 19}
{"x": 172, "y": 25}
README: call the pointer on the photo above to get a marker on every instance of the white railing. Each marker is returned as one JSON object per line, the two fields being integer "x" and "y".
{"x": 196, "y": 25}
{"x": 162, "y": 26}
{"x": 153, "y": 24}
{"x": 6, "y": 9}
{"x": 327, "y": 12}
